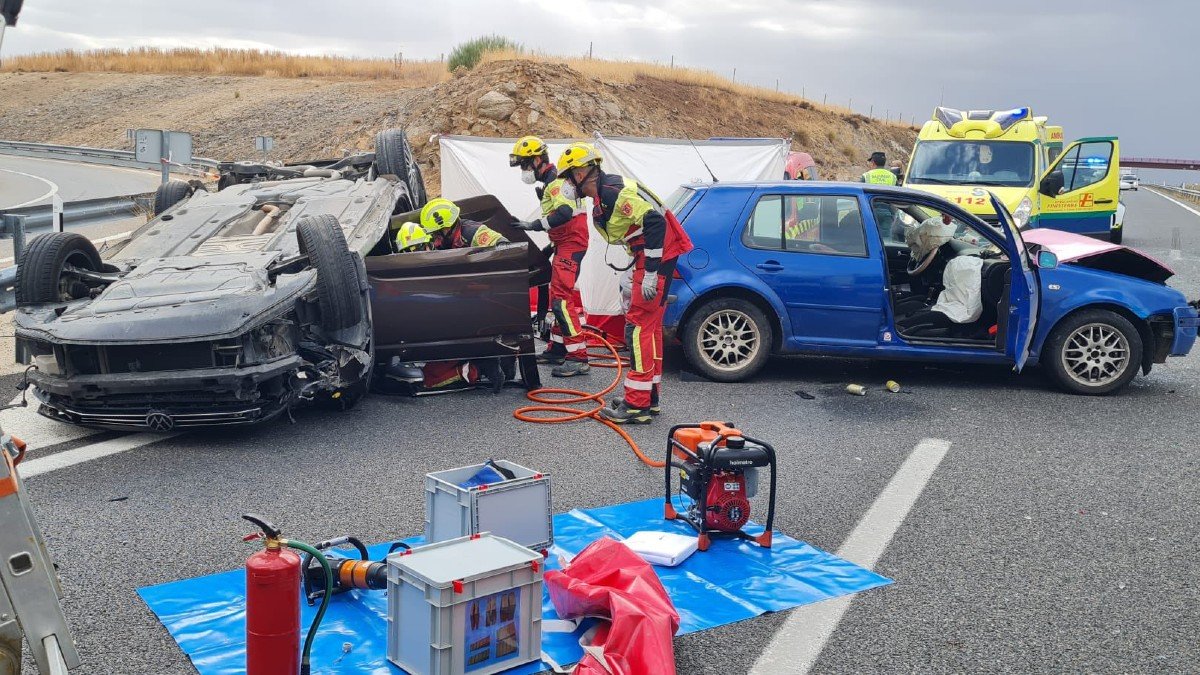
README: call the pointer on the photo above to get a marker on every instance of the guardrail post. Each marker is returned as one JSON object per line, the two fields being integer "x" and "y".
{"x": 14, "y": 226}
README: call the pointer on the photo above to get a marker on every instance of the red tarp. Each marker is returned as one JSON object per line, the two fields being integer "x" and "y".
{"x": 610, "y": 581}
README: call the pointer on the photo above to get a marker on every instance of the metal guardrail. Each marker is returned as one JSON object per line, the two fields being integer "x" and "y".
{"x": 1190, "y": 195}
{"x": 105, "y": 156}
{"x": 18, "y": 222}
{"x": 85, "y": 211}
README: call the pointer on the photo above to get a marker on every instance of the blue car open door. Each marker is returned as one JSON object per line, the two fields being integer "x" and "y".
{"x": 1015, "y": 333}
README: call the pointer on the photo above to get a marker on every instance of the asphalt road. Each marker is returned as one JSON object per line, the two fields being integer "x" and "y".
{"x": 27, "y": 181}
{"x": 1059, "y": 533}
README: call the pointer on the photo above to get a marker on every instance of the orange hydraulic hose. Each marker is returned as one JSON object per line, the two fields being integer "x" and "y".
{"x": 554, "y": 400}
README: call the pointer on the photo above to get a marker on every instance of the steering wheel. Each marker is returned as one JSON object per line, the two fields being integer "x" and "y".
{"x": 917, "y": 267}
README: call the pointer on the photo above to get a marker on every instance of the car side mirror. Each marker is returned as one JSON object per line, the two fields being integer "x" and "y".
{"x": 1052, "y": 184}
{"x": 1047, "y": 260}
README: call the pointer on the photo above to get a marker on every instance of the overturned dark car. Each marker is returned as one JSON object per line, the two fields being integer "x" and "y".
{"x": 282, "y": 288}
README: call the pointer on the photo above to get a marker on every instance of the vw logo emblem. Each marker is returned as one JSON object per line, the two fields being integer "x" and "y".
{"x": 979, "y": 192}
{"x": 158, "y": 421}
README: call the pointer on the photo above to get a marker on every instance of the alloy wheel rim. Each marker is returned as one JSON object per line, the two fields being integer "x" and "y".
{"x": 729, "y": 340}
{"x": 1095, "y": 354}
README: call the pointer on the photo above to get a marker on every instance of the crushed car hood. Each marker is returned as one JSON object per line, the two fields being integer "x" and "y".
{"x": 177, "y": 298}
{"x": 1100, "y": 255}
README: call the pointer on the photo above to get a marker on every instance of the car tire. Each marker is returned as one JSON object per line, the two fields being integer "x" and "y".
{"x": 1115, "y": 236}
{"x": 1109, "y": 336}
{"x": 728, "y": 339}
{"x": 394, "y": 156}
{"x": 171, "y": 193}
{"x": 321, "y": 239}
{"x": 40, "y": 271}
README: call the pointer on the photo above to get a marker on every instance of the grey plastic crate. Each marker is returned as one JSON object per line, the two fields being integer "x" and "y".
{"x": 517, "y": 509}
{"x": 471, "y": 605}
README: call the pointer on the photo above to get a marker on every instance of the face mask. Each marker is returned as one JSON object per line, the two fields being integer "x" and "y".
{"x": 568, "y": 191}
{"x": 528, "y": 176}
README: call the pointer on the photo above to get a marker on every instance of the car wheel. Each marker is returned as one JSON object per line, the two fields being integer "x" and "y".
{"x": 728, "y": 339}
{"x": 40, "y": 277}
{"x": 322, "y": 240}
{"x": 394, "y": 155}
{"x": 1116, "y": 235}
{"x": 1093, "y": 352}
{"x": 171, "y": 193}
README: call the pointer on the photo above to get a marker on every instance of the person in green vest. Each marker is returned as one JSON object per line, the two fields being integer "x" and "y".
{"x": 878, "y": 172}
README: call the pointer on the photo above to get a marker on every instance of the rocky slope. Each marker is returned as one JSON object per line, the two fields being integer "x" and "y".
{"x": 312, "y": 118}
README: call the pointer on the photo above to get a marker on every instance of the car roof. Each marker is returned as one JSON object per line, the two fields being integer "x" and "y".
{"x": 811, "y": 187}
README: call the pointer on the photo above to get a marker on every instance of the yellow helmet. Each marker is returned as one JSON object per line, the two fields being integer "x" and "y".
{"x": 411, "y": 237}
{"x": 439, "y": 214}
{"x": 578, "y": 155}
{"x": 525, "y": 148}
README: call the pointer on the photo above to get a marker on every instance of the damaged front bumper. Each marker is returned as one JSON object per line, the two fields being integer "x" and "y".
{"x": 1187, "y": 323}
{"x": 169, "y": 401}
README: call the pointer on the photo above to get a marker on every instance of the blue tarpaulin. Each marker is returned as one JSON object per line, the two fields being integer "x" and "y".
{"x": 732, "y": 581}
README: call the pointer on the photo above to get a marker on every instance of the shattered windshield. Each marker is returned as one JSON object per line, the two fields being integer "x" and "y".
{"x": 997, "y": 163}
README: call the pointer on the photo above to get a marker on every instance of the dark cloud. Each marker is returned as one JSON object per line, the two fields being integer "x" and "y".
{"x": 1097, "y": 68}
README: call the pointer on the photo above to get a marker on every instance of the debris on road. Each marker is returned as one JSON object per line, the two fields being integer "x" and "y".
{"x": 804, "y": 395}
{"x": 892, "y": 386}
{"x": 856, "y": 390}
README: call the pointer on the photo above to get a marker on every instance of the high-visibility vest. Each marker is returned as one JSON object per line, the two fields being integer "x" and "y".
{"x": 552, "y": 197}
{"x": 879, "y": 177}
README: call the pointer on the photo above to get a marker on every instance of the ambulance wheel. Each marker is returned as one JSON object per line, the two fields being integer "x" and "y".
{"x": 728, "y": 339}
{"x": 171, "y": 193}
{"x": 1115, "y": 236}
{"x": 1093, "y": 352}
{"x": 394, "y": 156}
{"x": 322, "y": 240}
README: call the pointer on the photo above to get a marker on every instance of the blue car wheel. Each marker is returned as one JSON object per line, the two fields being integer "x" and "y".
{"x": 1093, "y": 352}
{"x": 728, "y": 339}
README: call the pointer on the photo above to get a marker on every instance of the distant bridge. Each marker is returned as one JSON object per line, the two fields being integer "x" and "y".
{"x": 1159, "y": 163}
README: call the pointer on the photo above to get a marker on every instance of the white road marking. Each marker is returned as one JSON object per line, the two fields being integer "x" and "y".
{"x": 61, "y": 460}
{"x": 37, "y": 431}
{"x": 1176, "y": 202}
{"x": 799, "y": 641}
{"x": 53, "y": 188}
{"x": 105, "y": 240}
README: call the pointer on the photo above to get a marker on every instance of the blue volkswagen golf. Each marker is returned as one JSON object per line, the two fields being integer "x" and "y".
{"x": 847, "y": 269}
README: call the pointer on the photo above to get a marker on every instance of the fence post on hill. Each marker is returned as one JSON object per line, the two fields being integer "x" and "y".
{"x": 589, "y": 50}
{"x": 735, "y": 75}
{"x": 672, "y": 60}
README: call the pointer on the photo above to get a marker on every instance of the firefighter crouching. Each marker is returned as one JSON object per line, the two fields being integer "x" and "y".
{"x": 566, "y": 223}
{"x": 630, "y": 215}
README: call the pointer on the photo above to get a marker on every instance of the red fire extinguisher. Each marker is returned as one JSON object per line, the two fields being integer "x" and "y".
{"x": 273, "y": 603}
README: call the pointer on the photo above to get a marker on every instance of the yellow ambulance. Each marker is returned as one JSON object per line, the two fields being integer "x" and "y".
{"x": 961, "y": 155}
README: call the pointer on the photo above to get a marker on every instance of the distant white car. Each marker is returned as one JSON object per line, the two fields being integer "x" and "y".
{"x": 1129, "y": 182}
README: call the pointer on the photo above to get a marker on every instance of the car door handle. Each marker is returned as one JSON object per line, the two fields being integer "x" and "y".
{"x": 1104, "y": 201}
{"x": 769, "y": 266}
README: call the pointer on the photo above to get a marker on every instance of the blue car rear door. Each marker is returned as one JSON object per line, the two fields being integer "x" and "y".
{"x": 812, "y": 251}
{"x": 1024, "y": 296}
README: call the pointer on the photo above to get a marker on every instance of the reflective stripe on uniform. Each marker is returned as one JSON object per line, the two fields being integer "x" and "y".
{"x": 635, "y": 351}
{"x": 640, "y": 386}
{"x": 576, "y": 347}
{"x": 653, "y": 252}
{"x": 567, "y": 322}
{"x": 556, "y": 337}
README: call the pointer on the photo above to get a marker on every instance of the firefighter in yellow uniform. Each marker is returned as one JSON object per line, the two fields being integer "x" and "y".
{"x": 878, "y": 174}
{"x": 566, "y": 224}
{"x": 440, "y": 219}
{"x": 629, "y": 215}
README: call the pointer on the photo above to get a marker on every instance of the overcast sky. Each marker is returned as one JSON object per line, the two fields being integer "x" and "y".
{"x": 1125, "y": 68}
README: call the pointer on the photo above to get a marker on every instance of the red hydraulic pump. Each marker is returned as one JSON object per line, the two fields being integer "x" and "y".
{"x": 273, "y": 603}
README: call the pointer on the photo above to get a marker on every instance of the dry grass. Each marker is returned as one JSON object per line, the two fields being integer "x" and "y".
{"x": 229, "y": 62}
{"x": 628, "y": 71}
